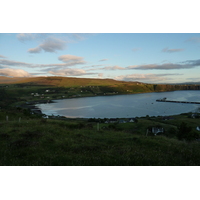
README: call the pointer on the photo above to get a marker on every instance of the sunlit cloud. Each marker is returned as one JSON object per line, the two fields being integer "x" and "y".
{"x": 35, "y": 50}
{"x": 167, "y": 50}
{"x": 113, "y": 68}
{"x": 26, "y": 36}
{"x": 79, "y": 36}
{"x": 50, "y": 44}
{"x": 136, "y": 49}
{"x": 1, "y": 56}
{"x": 13, "y": 63}
{"x": 92, "y": 66}
{"x": 109, "y": 68}
{"x": 100, "y": 75}
{"x": 68, "y": 72}
{"x": 102, "y": 60}
{"x": 167, "y": 66}
{"x": 69, "y": 58}
{"x": 194, "y": 39}
{"x": 14, "y": 72}
{"x": 145, "y": 77}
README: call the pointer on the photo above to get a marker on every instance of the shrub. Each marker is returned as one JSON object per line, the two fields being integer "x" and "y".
{"x": 185, "y": 132}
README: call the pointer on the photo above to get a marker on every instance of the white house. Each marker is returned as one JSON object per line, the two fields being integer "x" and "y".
{"x": 157, "y": 130}
{"x": 131, "y": 120}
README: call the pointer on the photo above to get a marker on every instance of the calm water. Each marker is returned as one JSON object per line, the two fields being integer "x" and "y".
{"x": 123, "y": 106}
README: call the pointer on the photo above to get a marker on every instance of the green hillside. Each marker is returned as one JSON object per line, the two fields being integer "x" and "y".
{"x": 133, "y": 87}
{"x": 60, "y": 81}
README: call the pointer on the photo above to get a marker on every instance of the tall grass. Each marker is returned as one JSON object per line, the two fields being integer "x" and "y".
{"x": 62, "y": 143}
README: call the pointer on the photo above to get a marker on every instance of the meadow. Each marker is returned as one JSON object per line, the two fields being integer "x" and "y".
{"x": 76, "y": 142}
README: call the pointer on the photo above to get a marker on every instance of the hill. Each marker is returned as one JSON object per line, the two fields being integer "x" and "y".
{"x": 60, "y": 81}
{"x": 121, "y": 87}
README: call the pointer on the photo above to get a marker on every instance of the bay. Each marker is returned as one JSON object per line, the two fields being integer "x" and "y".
{"x": 123, "y": 106}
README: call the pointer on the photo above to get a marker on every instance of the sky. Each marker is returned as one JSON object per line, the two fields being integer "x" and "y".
{"x": 149, "y": 41}
{"x": 144, "y": 57}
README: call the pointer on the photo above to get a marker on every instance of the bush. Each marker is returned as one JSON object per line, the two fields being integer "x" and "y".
{"x": 171, "y": 132}
{"x": 185, "y": 132}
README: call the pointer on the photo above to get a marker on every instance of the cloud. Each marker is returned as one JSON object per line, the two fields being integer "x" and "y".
{"x": 26, "y": 36}
{"x": 14, "y": 72}
{"x": 192, "y": 63}
{"x": 69, "y": 58}
{"x": 145, "y": 77}
{"x": 50, "y": 44}
{"x": 13, "y": 63}
{"x": 114, "y": 68}
{"x": 80, "y": 36}
{"x": 35, "y": 50}
{"x": 100, "y": 75}
{"x": 194, "y": 40}
{"x": 136, "y": 49}
{"x": 108, "y": 68}
{"x": 68, "y": 72}
{"x": 167, "y": 50}
{"x": 1, "y": 56}
{"x": 92, "y": 66}
{"x": 103, "y": 60}
{"x": 167, "y": 66}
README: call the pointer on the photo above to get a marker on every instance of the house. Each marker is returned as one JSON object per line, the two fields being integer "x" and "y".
{"x": 195, "y": 115}
{"x": 131, "y": 119}
{"x": 155, "y": 130}
{"x": 36, "y": 95}
{"x": 198, "y": 128}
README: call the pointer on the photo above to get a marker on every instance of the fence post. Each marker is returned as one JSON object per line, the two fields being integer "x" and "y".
{"x": 147, "y": 132}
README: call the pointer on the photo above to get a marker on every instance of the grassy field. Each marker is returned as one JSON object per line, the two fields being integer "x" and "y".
{"x": 77, "y": 142}
{"x": 28, "y": 139}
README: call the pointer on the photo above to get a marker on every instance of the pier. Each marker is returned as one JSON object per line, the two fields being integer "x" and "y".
{"x": 165, "y": 100}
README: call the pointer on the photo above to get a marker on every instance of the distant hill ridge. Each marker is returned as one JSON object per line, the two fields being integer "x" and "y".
{"x": 112, "y": 85}
{"x": 61, "y": 81}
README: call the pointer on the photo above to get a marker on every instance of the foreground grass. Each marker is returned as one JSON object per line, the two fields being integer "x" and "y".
{"x": 64, "y": 143}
